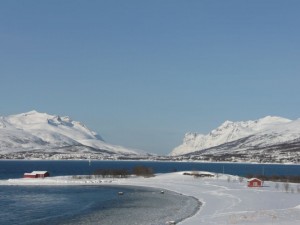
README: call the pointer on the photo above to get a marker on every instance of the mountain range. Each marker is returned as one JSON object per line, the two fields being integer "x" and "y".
{"x": 42, "y": 136}
{"x": 39, "y": 135}
{"x": 269, "y": 139}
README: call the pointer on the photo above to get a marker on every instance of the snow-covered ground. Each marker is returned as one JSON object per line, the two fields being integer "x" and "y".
{"x": 225, "y": 199}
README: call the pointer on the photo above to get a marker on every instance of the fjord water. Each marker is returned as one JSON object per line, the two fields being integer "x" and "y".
{"x": 16, "y": 168}
{"x": 66, "y": 205}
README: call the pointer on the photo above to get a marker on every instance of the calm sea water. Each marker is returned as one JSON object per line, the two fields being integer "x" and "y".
{"x": 16, "y": 168}
{"x": 85, "y": 205}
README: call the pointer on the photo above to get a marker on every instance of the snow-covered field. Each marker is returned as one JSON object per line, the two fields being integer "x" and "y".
{"x": 225, "y": 199}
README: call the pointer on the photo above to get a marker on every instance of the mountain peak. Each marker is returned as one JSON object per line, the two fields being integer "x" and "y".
{"x": 32, "y": 112}
{"x": 40, "y": 131}
{"x": 226, "y": 124}
{"x": 273, "y": 119}
{"x": 232, "y": 131}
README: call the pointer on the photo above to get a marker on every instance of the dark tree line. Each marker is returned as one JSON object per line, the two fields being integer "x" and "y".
{"x": 143, "y": 171}
{"x": 108, "y": 173}
{"x": 123, "y": 173}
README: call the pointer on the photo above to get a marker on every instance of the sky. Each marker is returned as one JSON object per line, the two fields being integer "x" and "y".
{"x": 143, "y": 73}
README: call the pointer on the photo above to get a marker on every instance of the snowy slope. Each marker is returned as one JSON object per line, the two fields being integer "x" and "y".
{"x": 268, "y": 131}
{"x": 34, "y": 131}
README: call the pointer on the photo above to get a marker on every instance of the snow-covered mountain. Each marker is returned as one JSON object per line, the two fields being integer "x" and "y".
{"x": 40, "y": 133}
{"x": 245, "y": 137}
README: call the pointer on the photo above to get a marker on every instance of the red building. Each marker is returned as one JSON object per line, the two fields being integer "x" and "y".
{"x": 37, "y": 174}
{"x": 29, "y": 175}
{"x": 254, "y": 182}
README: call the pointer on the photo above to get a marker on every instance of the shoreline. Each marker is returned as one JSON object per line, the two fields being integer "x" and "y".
{"x": 63, "y": 181}
{"x": 224, "y": 198}
{"x": 158, "y": 161}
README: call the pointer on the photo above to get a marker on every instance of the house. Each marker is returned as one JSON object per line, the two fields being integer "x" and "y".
{"x": 37, "y": 174}
{"x": 254, "y": 182}
{"x": 29, "y": 175}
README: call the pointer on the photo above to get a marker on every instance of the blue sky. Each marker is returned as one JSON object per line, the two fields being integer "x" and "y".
{"x": 143, "y": 73}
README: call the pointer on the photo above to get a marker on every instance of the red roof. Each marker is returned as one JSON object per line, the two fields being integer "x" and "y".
{"x": 254, "y": 182}
{"x": 35, "y": 174}
{"x": 252, "y": 179}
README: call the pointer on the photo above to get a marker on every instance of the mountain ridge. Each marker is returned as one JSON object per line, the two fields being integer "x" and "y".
{"x": 242, "y": 137}
{"x": 43, "y": 133}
